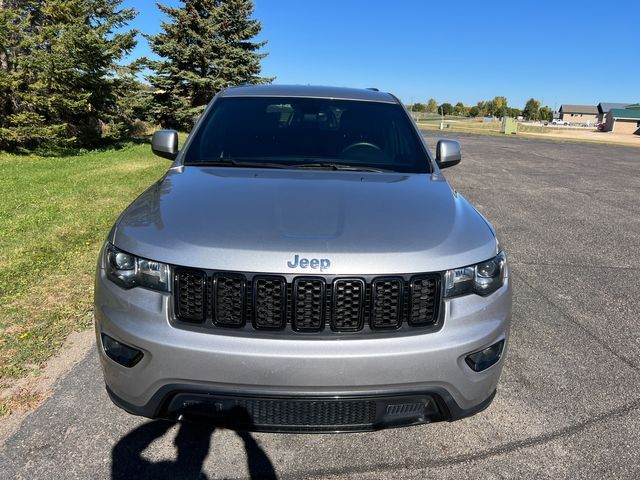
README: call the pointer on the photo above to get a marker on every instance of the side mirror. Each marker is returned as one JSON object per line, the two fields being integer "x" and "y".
{"x": 164, "y": 143}
{"x": 448, "y": 153}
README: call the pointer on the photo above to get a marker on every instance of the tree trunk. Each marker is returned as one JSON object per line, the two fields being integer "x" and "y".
{"x": 4, "y": 64}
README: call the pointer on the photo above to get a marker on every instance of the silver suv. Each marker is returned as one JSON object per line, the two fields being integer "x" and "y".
{"x": 302, "y": 266}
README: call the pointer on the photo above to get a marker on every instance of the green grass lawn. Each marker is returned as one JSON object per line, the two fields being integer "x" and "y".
{"x": 468, "y": 125}
{"x": 54, "y": 216}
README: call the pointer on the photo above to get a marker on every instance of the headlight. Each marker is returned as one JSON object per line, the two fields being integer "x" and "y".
{"x": 483, "y": 278}
{"x": 129, "y": 271}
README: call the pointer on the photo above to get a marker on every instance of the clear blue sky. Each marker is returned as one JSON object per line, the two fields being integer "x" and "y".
{"x": 580, "y": 52}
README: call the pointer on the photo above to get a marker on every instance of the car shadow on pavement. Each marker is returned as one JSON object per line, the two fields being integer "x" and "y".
{"x": 193, "y": 442}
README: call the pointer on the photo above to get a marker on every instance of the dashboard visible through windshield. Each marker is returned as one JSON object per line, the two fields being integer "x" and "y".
{"x": 282, "y": 132}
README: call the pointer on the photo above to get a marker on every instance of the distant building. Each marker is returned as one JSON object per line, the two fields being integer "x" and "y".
{"x": 624, "y": 120}
{"x": 579, "y": 114}
{"x": 604, "y": 107}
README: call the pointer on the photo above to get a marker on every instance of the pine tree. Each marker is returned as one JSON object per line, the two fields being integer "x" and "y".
{"x": 206, "y": 46}
{"x": 60, "y": 75}
{"x": 18, "y": 125}
{"x": 133, "y": 98}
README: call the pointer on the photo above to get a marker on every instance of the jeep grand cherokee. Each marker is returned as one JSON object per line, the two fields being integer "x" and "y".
{"x": 302, "y": 266}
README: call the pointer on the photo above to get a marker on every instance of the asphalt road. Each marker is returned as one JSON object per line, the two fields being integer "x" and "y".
{"x": 568, "y": 404}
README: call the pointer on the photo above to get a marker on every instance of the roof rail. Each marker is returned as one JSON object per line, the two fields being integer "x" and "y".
{"x": 373, "y": 88}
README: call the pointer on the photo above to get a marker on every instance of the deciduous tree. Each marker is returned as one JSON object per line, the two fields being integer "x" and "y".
{"x": 499, "y": 106}
{"x": 546, "y": 113}
{"x": 532, "y": 110}
{"x": 513, "y": 112}
{"x": 445, "y": 109}
{"x": 484, "y": 108}
{"x": 459, "y": 109}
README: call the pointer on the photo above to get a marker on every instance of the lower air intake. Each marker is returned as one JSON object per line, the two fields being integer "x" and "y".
{"x": 296, "y": 414}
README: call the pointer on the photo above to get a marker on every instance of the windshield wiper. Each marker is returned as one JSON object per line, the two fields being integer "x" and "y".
{"x": 254, "y": 162}
{"x": 235, "y": 162}
{"x": 340, "y": 166}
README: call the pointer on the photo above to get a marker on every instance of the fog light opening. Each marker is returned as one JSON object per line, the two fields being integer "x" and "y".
{"x": 121, "y": 353}
{"x": 483, "y": 359}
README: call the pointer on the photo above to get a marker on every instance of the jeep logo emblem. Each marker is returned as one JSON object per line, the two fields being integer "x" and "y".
{"x": 315, "y": 263}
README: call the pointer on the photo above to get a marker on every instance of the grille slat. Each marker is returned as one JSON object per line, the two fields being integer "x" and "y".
{"x": 348, "y": 303}
{"x": 423, "y": 304}
{"x": 269, "y": 302}
{"x": 387, "y": 302}
{"x": 190, "y": 295}
{"x": 229, "y": 300}
{"x": 306, "y": 304}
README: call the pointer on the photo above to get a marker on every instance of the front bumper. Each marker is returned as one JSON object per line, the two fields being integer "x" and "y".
{"x": 194, "y": 374}
{"x": 266, "y": 413}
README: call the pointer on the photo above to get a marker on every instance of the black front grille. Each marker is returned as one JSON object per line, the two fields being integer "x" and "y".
{"x": 306, "y": 304}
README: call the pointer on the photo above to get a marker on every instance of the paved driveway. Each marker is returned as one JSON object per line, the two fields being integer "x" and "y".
{"x": 569, "y": 401}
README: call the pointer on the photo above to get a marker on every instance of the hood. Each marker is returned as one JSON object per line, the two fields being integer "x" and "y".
{"x": 263, "y": 220}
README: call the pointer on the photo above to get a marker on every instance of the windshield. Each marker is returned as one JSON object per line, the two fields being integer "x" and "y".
{"x": 308, "y": 133}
